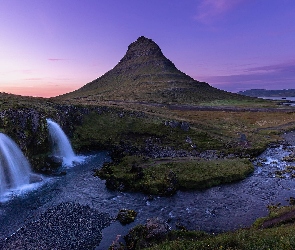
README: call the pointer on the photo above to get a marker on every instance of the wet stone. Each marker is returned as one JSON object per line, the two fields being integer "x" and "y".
{"x": 66, "y": 226}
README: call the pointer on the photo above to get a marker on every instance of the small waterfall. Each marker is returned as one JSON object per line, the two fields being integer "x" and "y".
{"x": 61, "y": 145}
{"x": 15, "y": 170}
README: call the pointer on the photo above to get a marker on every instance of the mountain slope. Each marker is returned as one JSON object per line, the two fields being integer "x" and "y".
{"x": 144, "y": 74}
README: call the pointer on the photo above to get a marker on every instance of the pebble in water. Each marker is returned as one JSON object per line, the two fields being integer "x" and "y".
{"x": 66, "y": 226}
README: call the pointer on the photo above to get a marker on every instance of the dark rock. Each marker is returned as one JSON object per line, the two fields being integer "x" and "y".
{"x": 184, "y": 126}
{"x": 172, "y": 124}
{"x": 35, "y": 178}
{"x": 126, "y": 216}
{"x": 292, "y": 201}
{"x": 113, "y": 184}
{"x": 172, "y": 183}
{"x": 243, "y": 138}
{"x": 52, "y": 159}
{"x": 61, "y": 173}
{"x": 155, "y": 230}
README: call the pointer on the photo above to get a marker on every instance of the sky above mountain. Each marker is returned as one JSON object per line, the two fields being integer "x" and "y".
{"x": 50, "y": 47}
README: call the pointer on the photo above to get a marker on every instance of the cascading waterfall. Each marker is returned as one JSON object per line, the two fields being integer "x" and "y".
{"x": 15, "y": 170}
{"x": 61, "y": 145}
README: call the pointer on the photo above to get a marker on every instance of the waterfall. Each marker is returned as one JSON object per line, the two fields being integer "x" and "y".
{"x": 15, "y": 170}
{"x": 61, "y": 146}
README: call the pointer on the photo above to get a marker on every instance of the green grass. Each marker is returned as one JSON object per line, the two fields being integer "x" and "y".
{"x": 154, "y": 177}
{"x": 113, "y": 129}
{"x": 209, "y": 130}
{"x": 241, "y": 103}
{"x": 279, "y": 238}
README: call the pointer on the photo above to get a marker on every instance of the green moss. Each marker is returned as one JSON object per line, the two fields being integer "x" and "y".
{"x": 126, "y": 216}
{"x": 155, "y": 177}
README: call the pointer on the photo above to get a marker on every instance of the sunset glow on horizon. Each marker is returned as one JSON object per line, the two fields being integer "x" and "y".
{"x": 49, "y": 48}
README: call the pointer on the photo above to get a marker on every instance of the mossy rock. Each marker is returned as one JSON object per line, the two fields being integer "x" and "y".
{"x": 155, "y": 230}
{"x": 126, "y": 216}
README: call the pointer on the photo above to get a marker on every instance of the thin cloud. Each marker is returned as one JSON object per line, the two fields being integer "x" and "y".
{"x": 33, "y": 79}
{"x": 56, "y": 59}
{"x": 276, "y": 76}
{"x": 210, "y": 10}
{"x": 288, "y": 67}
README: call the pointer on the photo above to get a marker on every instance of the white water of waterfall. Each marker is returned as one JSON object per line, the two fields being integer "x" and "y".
{"x": 61, "y": 146}
{"x": 15, "y": 170}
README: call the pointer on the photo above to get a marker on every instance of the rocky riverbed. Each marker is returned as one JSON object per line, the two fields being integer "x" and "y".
{"x": 66, "y": 226}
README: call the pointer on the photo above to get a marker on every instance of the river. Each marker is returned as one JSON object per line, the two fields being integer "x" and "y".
{"x": 217, "y": 209}
{"x": 289, "y": 101}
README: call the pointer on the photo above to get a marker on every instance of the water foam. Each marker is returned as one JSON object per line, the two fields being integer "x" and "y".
{"x": 61, "y": 146}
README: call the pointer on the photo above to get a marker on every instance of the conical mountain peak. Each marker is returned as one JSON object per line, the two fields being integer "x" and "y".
{"x": 143, "y": 57}
{"x": 144, "y": 74}
{"x": 142, "y": 47}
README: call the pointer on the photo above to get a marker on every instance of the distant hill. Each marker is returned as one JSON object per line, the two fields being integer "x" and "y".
{"x": 268, "y": 93}
{"x": 144, "y": 74}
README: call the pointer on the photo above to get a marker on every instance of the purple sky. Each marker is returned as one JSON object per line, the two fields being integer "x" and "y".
{"x": 50, "y": 47}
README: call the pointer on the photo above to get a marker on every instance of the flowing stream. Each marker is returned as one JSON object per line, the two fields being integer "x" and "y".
{"x": 217, "y": 209}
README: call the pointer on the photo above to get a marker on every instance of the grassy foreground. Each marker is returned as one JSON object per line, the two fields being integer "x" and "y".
{"x": 278, "y": 238}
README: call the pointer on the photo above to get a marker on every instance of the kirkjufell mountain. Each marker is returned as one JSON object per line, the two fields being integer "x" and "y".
{"x": 144, "y": 74}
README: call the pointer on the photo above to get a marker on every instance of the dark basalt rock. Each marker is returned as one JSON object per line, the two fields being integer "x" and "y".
{"x": 126, "y": 216}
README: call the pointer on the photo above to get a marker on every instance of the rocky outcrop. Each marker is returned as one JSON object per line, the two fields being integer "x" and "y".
{"x": 28, "y": 128}
{"x": 144, "y": 51}
{"x": 143, "y": 236}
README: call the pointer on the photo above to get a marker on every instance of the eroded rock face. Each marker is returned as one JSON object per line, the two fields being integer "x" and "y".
{"x": 28, "y": 128}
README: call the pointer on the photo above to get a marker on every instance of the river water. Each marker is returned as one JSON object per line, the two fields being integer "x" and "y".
{"x": 217, "y": 209}
{"x": 291, "y": 100}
